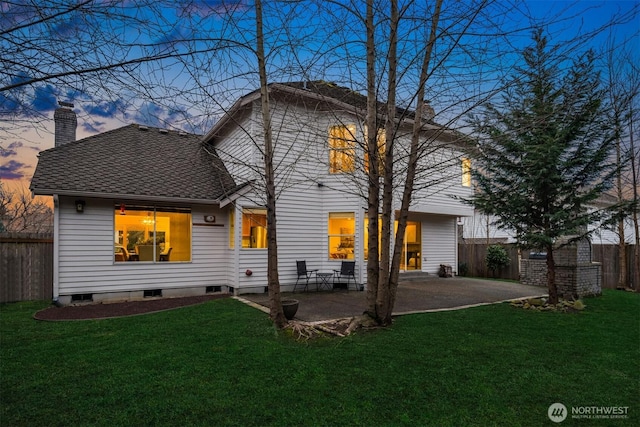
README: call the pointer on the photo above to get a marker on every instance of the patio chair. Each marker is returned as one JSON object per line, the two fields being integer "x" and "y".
{"x": 301, "y": 266}
{"x": 348, "y": 270}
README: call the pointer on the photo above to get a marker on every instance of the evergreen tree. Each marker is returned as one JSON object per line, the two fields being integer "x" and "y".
{"x": 544, "y": 152}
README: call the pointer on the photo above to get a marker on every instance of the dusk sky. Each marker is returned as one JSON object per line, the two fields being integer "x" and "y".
{"x": 21, "y": 139}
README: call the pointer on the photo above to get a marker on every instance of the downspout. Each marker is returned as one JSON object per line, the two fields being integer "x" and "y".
{"x": 56, "y": 250}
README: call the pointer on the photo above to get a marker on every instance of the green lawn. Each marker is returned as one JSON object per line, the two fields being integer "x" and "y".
{"x": 222, "y": 363}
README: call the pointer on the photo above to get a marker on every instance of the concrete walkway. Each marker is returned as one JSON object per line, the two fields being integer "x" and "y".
{"x": 423, "y": 295}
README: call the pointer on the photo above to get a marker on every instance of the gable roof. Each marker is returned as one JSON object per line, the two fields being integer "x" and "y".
{"x": 136, "y": 162}
{"x": 330, "y": 95}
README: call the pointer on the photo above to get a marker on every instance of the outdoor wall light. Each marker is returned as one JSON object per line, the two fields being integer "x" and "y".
{"x": 80, "y": 206}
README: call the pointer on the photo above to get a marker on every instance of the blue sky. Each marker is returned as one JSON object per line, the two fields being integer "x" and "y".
{"x": 196, "y": 111}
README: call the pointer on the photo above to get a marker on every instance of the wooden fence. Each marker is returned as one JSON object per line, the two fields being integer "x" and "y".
{"x": 472, "y": 256}
{"x": 608, "y": 256}
{"x": 26, "y": 267}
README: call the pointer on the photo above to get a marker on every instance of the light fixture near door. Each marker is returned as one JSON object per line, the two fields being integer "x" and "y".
{"x": 210, "y": 218}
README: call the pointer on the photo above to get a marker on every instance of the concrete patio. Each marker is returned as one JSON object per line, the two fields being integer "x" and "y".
{"x": 417, "y": 295}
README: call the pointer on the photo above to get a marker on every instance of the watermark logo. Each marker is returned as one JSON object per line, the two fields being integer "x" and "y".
{"x": 557, "y": 412}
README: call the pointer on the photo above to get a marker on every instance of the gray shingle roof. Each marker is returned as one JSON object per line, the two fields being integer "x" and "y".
{"x": 134, "y": 161}
{"x": 343, "y": 94}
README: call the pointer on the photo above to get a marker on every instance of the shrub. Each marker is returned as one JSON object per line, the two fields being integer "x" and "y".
{"x": 496, "y": 258}
{"x": 463, "y": 270}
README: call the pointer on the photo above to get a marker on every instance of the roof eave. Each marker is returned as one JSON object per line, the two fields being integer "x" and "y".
{"x": 122, "y": 196}
{"x": 240, "y": 103}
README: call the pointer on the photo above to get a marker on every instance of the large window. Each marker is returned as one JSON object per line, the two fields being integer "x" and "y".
{"x": 254, "y": 228}
{"x": 466, "y": 172}
{"x": 152, "y": 234}
{"x": 342, "y": 148}
{"x": 342, "y": 227}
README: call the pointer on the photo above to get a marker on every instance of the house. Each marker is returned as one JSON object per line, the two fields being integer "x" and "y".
{"x": 141, "y": 211}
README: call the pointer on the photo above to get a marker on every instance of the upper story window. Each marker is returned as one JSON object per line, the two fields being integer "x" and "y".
{"x": 342, "y": 148}
{"x": 382, "y": 140}
{"x": 466, "y": 172}
{"x": 254, "y": 228}
{"x": 152, "y": 234}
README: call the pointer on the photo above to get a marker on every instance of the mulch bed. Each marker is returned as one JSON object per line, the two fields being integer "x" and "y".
{"x": 121, "y": 309}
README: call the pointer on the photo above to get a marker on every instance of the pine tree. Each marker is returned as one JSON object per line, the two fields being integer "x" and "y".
{"x": 544, "y": 153}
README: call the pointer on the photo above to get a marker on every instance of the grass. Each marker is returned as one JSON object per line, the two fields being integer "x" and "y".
{"x": 223, "y": 363}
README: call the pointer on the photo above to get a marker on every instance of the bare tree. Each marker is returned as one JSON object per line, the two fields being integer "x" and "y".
{"x": 273, "y": 280}
{"x": 622, "y": 87}
{"x": 21, "y": 212}
{"x": 108, "y": 55}
{"x": 408, "y": 48}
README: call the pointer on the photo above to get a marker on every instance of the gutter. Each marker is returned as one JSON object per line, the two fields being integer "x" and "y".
{"x": 119, "y": 196}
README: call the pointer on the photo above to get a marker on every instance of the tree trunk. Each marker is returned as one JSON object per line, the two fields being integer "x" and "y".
{"x": 636, "y": 206}
{"x": 551, "y": 276}
{"x": 273, "y": 280}
{"x": 373, "y": 197}
{"x": 622, "y": 249}
{"x": 386, "y": 295}
{"x": 622, "y": 257}
{"x": 389, "y": 286}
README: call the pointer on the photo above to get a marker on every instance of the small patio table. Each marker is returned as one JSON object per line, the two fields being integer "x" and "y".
{"x": 325, "y": 280}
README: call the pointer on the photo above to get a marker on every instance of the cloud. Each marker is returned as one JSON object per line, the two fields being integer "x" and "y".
{"x": 173, "y": 38}
{"x": 11, "y": 149}
{"x": 93, "y": 127}
{"x": 107, "y": 109}
{"x": 150, "y": 114}
{"x": 68, "y": 28}
{"x": 44, "y": 98}
{"x": 12, "y": 170}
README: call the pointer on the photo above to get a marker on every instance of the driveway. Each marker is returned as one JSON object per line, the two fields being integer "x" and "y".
{"x": 423, "y": 295}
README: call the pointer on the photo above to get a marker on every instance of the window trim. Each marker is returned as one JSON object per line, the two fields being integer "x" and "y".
{"x": 342, "y": 236}
{"x": 154, "y": 210}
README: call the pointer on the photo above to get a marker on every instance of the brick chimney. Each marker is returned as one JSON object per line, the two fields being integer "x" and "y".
{"x": 66, "y": 123}
{"x": 428, "y": 113}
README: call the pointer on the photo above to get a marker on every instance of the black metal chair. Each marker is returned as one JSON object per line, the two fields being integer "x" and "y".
{"x": 348, "y": 270}
{"x": 301, "y": 266}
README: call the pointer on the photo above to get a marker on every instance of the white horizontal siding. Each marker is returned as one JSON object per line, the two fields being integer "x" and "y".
{"x": 236, "y": 148}
{"x": 86, "y": 263}
{"x": 307, "y": 193}
{"x": 439, "y": 242}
